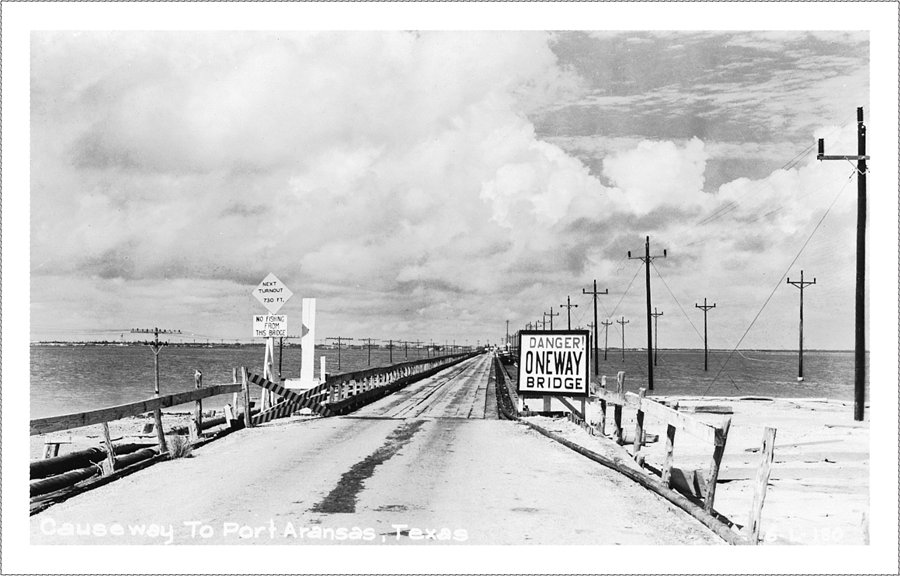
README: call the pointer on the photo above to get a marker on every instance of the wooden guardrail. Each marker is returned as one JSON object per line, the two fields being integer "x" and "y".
{"x": 714, "y": 435}
{"x": 342, "y": 393}
{"x": 91, "y": 417}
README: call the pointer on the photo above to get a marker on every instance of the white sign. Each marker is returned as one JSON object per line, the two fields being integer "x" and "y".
{"x": 270, "y": 326}
{"x": 272, "y": 293}
{"x": 554, "y": 362}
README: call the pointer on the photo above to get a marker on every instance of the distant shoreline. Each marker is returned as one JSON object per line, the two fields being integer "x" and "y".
{"x": 352, "y": 347}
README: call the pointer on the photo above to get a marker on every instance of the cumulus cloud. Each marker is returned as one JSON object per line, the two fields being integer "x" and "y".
{"x": 397, "y": 176}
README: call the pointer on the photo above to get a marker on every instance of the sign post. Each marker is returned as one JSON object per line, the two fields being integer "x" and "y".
{"x": 273, "y": 294}
{"x": 554, "y": 365}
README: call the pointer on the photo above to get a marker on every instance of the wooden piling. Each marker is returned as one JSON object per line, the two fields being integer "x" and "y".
{"x": 639, "y": 429}
{"x": 245, "y": 387}
{"x": 196, "y": 424}
{"x": 617, "y": 408}
{"x": 160, "y": 434}
{"x": 721, "y": 438}
{"x": 109, "y": 465}
{"x": 670, "y": 452}
{"x": 767, "y": 455}
{"x": 603, "y": 407}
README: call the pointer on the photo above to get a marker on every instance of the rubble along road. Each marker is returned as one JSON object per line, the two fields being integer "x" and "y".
{"x": 426, "y": 465}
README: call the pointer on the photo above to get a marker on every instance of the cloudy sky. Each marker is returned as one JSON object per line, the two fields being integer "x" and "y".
{"x": 436, "y": 184}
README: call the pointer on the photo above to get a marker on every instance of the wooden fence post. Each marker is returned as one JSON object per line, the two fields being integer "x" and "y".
{"x": 670, "y": 452}
{"x": 603, "y": 407}
{"x": 160, "y": 434}
{"x": 617, "y": 408}
{"x": 639, "y": 429}
{"x": 721, "y": 433}
{"x": 196, "y": 424}
{"x": 245, "y": 387}
{"x": 234, "y": 397}
{"x": 109, "y": 465}
{"x": 767, "y": 453}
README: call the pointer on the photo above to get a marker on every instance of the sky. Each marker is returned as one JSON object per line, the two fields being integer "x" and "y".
{"x": 432, "y": 185}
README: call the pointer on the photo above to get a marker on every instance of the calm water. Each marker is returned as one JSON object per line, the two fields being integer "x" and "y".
{"x": 67, "y": 379}
{"x": 75, "y": 378}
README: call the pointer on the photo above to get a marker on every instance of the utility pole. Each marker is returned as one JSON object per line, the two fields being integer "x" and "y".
{"x": 705, "y": 308}
{"x": 391, "y": 349}
{"x": 606, "y": 323}
{"x": 551, "y": 314}
{"x": 801, "y": 285}
{"x": 623, "y": 322}
{"x": 155, "y": 347}
{"x": 507, "y": 334}
{"x": 594, "y": 294}
{"x": 339, "y": 339}
{"x": 406, "y": 344}
{"x": 568, "y": 306}
{"x": 368, "y": 342}
{"x": 647, "y": 259}
{"x": 859, "y": 359}
{"x": 418, "y": 348}
{"x": 656, "y": 316}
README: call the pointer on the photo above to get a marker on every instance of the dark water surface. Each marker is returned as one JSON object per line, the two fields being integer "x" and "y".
{"x": 67, "y": 379}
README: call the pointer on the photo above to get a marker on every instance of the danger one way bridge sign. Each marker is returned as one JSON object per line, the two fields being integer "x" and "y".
{"x": 554, "y": 362}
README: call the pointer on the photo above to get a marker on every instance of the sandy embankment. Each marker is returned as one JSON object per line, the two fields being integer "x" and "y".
{"x": 819, "y": 485}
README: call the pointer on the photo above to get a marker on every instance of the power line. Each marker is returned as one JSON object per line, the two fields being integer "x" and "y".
{"x": 777, "y": 284}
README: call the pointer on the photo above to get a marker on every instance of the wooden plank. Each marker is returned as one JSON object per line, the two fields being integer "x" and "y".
{"x": 570, "y": 407}
{"x": 716, "y": 463}
{"x": 762, "y": 482}
{"x": 91, "y": 417}
{"x": 690, "y": 425}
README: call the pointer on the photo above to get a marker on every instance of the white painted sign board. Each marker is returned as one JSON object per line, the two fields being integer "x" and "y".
{"x": 272, "y": 293}
{"x": 270, "y": 326}
{"x": 554, "y": 363}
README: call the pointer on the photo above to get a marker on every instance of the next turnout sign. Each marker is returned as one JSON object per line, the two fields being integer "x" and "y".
{"x": 554, "y": 362}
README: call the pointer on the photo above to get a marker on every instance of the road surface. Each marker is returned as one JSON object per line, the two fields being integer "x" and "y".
{"x": 428, "y": 465}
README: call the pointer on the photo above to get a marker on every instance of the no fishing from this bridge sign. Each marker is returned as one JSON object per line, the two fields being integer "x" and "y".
{"x": 554, "y": 362}
{"x": 270, "y": 326}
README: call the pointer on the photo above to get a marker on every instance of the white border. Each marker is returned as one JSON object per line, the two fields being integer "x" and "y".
{"x": 879, "y": 18}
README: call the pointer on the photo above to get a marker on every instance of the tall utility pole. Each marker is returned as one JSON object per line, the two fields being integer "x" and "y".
{"x": 859, "y": 359}
{"x": 656, "y": 316}
{"x": 418, "y": 348}
{"x": 647, "y": 259}
{"x": 507, "y": 334}
{"x": 406, "y": 344}
{"x": 551, "y": 314}
{"x": 155, "y": 347}
{"x": 705, "y": 308}
{"x": 623, "y": 322}
{"x": 801, "y": 285}
{"x": 339, "y": 340}
{"x": 594, "y": 294}
{"x": 606, "y": 323}
{"x": 568, "y": 306}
